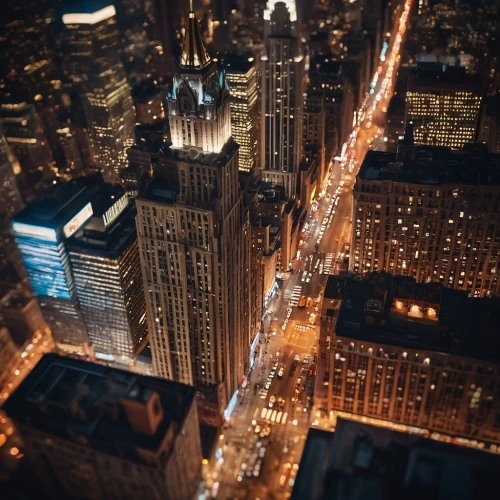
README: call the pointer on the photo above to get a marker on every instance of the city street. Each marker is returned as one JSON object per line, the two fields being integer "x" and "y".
{"x": 263, "y": 441}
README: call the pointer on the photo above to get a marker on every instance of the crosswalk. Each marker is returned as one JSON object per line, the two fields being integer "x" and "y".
{"x": 274, "y": 416}
{"x": 295, "y": 295}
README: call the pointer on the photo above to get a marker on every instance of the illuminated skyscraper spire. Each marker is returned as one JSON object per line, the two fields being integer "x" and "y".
{"x": 194, "y": 54}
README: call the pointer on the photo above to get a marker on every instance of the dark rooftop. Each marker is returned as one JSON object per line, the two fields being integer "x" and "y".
{"x": 435, "y": 75}
{"x": 79, "y": 400}
{"x": 236, "y": 63}
{"x": 395, "y": 310}
{"x": 111, "y": 240}
{"x": 435, "y": 165}
{"x": 361, "y": 461}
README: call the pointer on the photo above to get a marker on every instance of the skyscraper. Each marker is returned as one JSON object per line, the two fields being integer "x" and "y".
{"x": 78, "y": 244}
{"x": 281, "y": 112}
{"x": 194, "y": 240}
{"x": 241, "y": 75}
{"x": 95, "y": 68}
{"x": 443, "y": 105}
{"x": 105, "y": 263}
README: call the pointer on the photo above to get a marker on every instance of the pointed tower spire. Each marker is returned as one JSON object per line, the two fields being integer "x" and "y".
{"x": 194, "y": 54}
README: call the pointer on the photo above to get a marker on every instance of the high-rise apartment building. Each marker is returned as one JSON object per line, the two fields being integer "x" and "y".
{"x": 430, "y": 213}
{"x": 241, "y": 75}
{"x": 194, "y": 240}
{"x": 281, "y": 104}
{"x": 93, "y": 432}
{"x": 414, "y": 354}
{"x": 104, "y": 259}
{"x": 94, "y": 66}
{"x": 443, "y": 105}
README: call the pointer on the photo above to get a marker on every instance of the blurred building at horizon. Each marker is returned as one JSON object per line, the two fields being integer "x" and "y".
{"x": 93, "y": 65}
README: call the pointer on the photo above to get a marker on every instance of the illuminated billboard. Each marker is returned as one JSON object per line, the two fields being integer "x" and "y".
{"x": 78, "y": 220}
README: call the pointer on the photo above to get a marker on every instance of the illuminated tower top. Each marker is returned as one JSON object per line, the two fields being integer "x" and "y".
{"x": 198, "y": 105}
{"x": 194, "y": 54}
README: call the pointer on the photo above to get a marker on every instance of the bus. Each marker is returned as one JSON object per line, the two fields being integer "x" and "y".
{"x": 302, "y": 302}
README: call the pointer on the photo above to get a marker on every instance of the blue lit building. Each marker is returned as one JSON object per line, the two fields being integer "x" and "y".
{"x": 41, "y": 231}
{"x": 104, "y": 258}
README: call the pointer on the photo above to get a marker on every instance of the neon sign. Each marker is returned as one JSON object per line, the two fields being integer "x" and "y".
{"x": 77, "y": 221}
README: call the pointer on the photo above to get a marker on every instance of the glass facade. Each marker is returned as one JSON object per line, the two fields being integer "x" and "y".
{"x": 47, "y": 264}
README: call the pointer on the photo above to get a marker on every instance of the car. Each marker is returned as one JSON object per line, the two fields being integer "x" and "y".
{"x": 310, "y": 373}
{"x": 280, "y": 372}
{"x": 296, "y": 358}
{"x": 262, "y": 452}
{"x": 263, "y": 394}
{"x": 282, "y": 403}
{"x": 267, "y": 384}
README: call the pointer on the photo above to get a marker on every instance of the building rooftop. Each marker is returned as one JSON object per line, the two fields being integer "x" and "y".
{"x": 114, "y": 411}
{"x": 395, "y": 310}
{"x": 360, "y": 461}
{"x": 111, "y": 228}
{"x": 434, "y": 166}
{"x": 59, "y": 204}
{"x": 428, "y": 76}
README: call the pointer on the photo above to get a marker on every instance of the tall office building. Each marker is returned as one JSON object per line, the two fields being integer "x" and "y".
{"x": 414, "y": 354}
{"x": 241, "y": 75}
{"x": 79, "y": 246}
{"x": 431, "y": 213}
{"x": 443, "y": 105}
{"x": 93, "y": 432}
{"x": 104, "y": 259}
{"x": 95, "y": 69}
{"x": 281, "y": 104}
{"x": 194, "y": 240}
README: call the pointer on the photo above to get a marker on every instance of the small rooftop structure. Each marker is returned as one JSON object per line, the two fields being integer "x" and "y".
{"x": 115, "y": 411}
